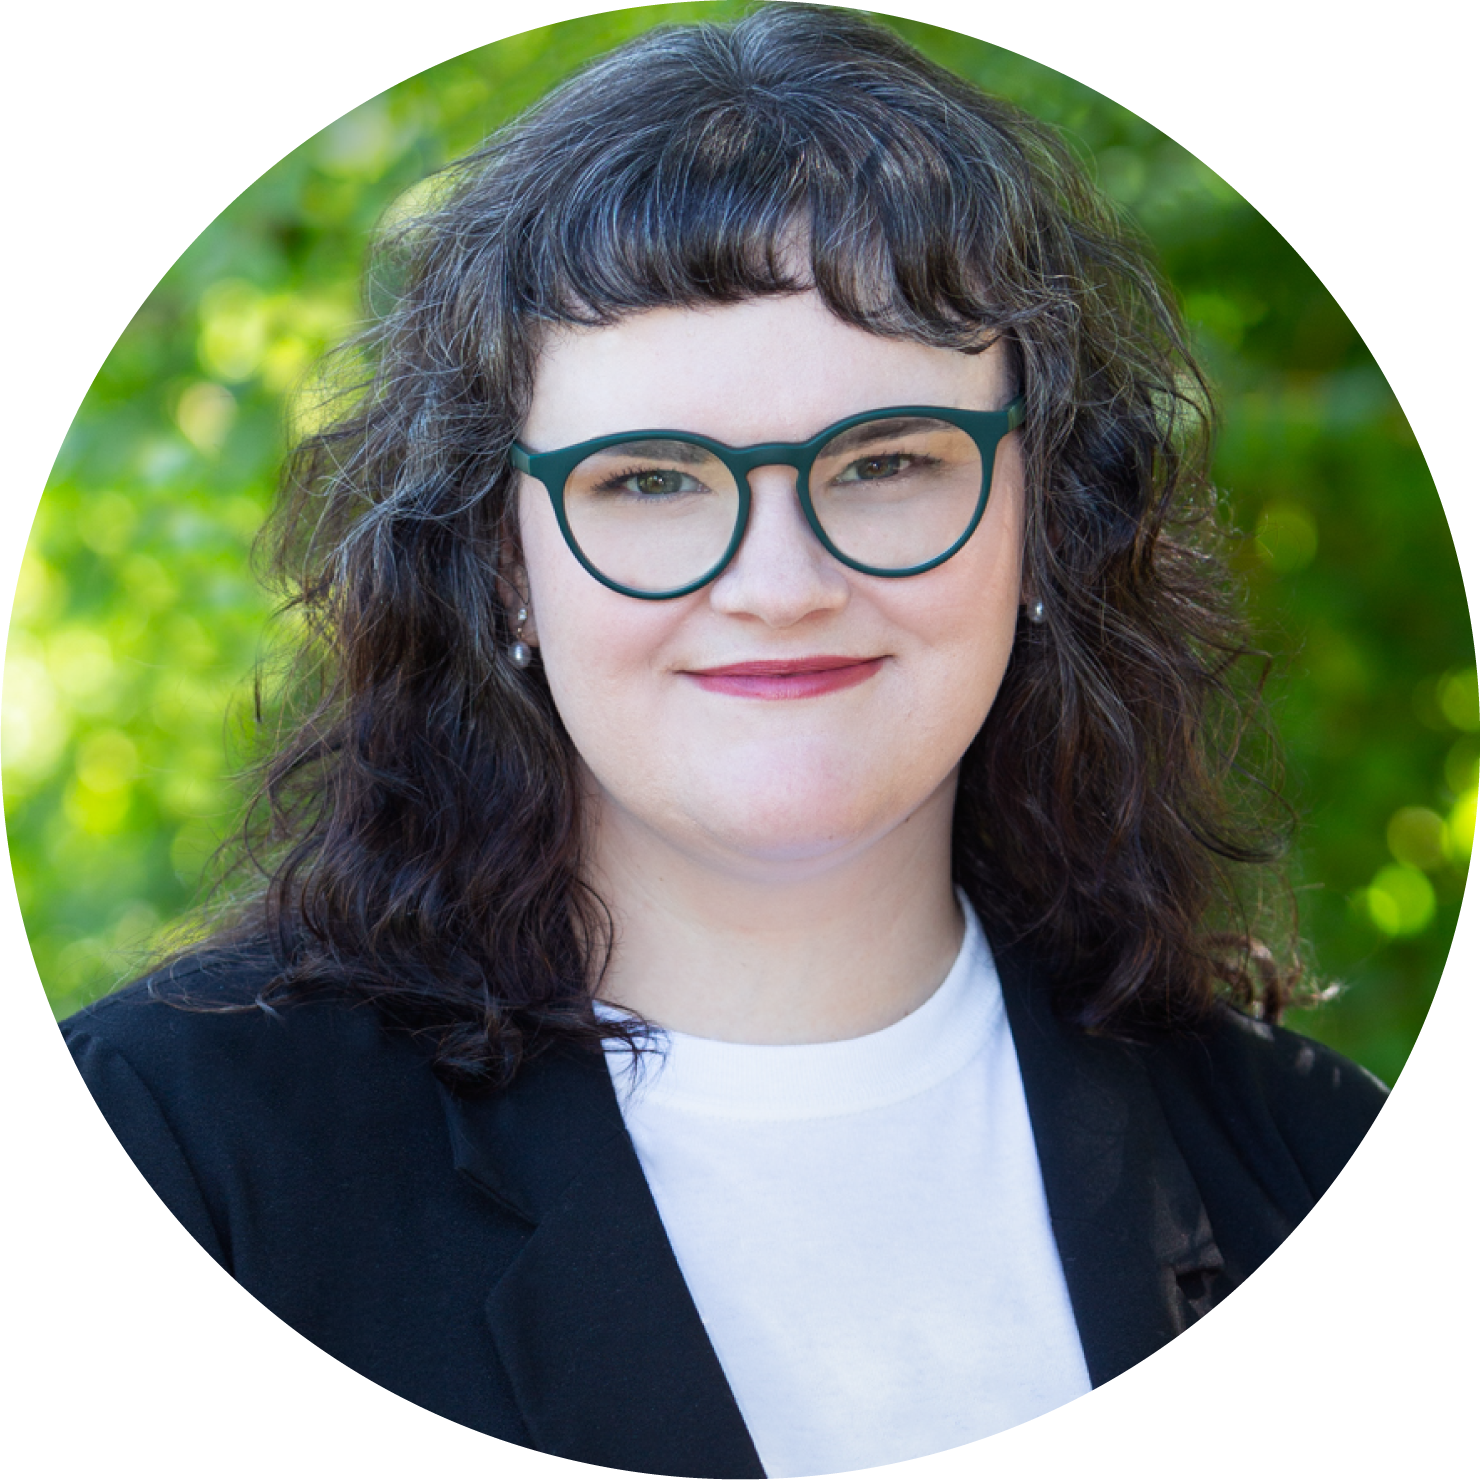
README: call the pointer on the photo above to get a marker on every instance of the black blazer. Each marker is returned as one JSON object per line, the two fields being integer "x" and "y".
{"x": 500, "y": 1260}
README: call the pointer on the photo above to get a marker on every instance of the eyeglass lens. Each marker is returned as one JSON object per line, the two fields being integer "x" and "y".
{"x": 659, "y": 514}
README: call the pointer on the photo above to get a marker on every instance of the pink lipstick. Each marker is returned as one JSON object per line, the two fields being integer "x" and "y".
{"x": 789, "y": 678}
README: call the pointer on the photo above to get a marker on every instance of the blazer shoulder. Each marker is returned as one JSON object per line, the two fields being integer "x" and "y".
{"x": 147, "y": 1060}
{"x": 215, "y": 978}
{"x": 196, "y": 1051}
{"x": 1287, "y": 1103}
{"x": 209, "y": 1011}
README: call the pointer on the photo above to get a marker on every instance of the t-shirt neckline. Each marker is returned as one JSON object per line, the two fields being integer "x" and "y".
{"x": 804, "y": 1081}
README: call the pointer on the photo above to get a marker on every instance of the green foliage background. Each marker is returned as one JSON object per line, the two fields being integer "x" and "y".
{"x": 137, "y": 622}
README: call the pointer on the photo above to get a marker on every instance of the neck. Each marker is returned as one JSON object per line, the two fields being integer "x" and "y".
{"x": 802, "y": 952}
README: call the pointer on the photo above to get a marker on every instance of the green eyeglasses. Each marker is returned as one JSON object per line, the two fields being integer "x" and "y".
{"x": 658, "y": 514}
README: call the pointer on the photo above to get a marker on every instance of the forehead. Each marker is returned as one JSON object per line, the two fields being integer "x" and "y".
{"x": 766, "y": 369}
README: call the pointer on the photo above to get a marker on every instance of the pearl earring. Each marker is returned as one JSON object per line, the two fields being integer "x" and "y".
{"x": 1035, "y": 610}
{"x": 520, "y": 652}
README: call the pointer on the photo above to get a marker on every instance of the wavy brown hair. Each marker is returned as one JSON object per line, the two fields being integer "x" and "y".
{"x": 418, "y": 825}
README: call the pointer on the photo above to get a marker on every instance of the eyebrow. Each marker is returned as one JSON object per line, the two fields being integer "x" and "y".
{"x": 679, "y": 449}
{"x": 873, "y": 431}
{"x": 688, "y": 453}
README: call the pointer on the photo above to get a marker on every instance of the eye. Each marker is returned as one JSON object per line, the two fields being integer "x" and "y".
{"x": 651, "y": 483}
{"x": 880, "y": 465}
{"x": 659, "y": 481}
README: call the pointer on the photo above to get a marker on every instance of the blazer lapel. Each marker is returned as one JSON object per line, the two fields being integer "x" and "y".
{"x": 1133, "y": 1236}
{"x": 607, "y": 1356}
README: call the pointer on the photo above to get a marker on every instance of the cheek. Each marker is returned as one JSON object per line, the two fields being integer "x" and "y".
{"x": 598, "y": 649}
{"x": 965, "y": 622}
{"x": 598, "y": 652}
{"x": 599, "y": 675}
{"x": 957, "y": 675}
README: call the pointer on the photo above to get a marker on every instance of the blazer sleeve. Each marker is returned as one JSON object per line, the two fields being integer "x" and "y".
{"x": 135, "y": 1117}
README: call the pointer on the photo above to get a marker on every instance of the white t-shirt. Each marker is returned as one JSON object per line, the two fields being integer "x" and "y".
{"x": 863, "y": 1228}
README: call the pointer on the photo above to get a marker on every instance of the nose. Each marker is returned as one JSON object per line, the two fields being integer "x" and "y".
{"x": 781, "y": 573}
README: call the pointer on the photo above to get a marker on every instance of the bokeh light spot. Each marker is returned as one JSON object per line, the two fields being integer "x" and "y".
{"x": 96, "y": 813}
{"x": 148, "y": 584}
{"x": 1459, "y": 829}
{"x": 1459, "y": 698}
{"x": 107, "y": 761}
{"x": 233, "y": 330}
{"x": 80, "y": 663}
{"x": 1400, "y": 900}
{"x": 34, "y": 726}
{"x": 204, "y": 413}
{"x": 1415, "y": 836}
{"x": 108, "y": 522}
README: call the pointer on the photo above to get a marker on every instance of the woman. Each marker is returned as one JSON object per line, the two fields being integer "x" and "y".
{"x": 749, "y": 972}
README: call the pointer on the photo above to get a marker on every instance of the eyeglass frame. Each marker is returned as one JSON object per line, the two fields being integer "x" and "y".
{"x": 553, "y": 470}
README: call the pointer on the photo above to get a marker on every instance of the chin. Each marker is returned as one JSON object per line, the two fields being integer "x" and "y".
{"x": 783, "y": 857}
{"x": 796, "y": 820}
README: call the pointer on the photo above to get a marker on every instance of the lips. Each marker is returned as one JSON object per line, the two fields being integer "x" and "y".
{"x": 789, "y": 678}
{"x": 782, "y": 667}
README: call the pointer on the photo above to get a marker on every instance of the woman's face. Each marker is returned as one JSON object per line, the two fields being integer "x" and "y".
{"x": 768, "y": 773}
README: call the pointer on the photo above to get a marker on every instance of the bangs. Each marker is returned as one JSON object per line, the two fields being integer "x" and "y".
{"x": 897, "y": 227}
